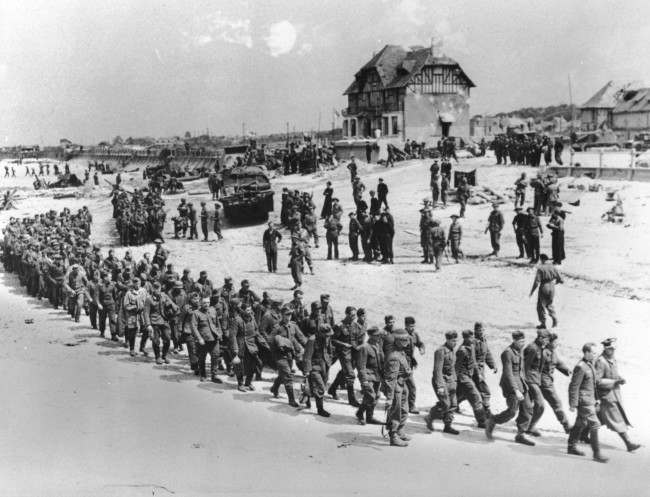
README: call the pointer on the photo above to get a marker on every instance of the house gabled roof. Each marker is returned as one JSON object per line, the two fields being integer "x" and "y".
{"x": 608, "y": 96}
{"x": 634, "y": 101}
{"x": 396, "y": 67}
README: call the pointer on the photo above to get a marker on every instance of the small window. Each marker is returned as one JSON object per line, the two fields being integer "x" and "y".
{"x": 353, "y": 127}
{"x": 395, "y": 129}
{"x": 345, "y": 127}
{"x": 384, "y": 126}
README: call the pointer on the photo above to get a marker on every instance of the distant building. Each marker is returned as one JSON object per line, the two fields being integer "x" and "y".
{"x": 410, "y": 94}
{"x": 620, "y": 106}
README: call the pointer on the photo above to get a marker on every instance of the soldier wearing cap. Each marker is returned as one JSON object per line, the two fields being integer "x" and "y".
{"x": 462, "y": 194}
{"x": 582, "y": 396}
{"x": 354, "y": 230}
{"x": 545, "y": 278}
{"x": 455, "y": 237}
{"x": 484, "y": 358}
{"x": 425, "y": 219}
{"x": 285, "y": 348}
{"x": 317, "y": 358}
{"x": 326, "y": 309}
{"x": 204, "y": 216}
{"x": 299, "y": 311}
{"x": 160, "y": 254}
{"x": 370, "y": 364}
{"x": 533, "y": 234}
{"x": 396, "y": 371}
{"x": 520, "y": 225}
{"x": 216, "y": 221}
{"x": 246, "y": 343}
{"x": 106, "y": 304}
{"x": 204, "y": 285}
{"x": 533, "y": 365}
{"x": 296, "y": 264}
{"x": 495, "y": 226}
{"x": 342, "y": 341}
{"x": 270, "y": 240}
{"x": 515, "y": 390}
{"x": 466, "y": 371}
{"x": 414, "y": 343}
{"x": 207, "y": 333}
{"x": 130, "y": 310}
{"x": 444, "y": 384}
{"x": 550, "y": 363}
{"x": 158, "y": 309}
{"x": 180, "y": 298}
{"x": 608, "y": 390}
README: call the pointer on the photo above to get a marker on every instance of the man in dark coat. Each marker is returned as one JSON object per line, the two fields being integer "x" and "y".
{"x": 455, "y": 237}
{"x": 520, "y": 225}
{"x": 444, "y": 384}
{"x": 533, "y": 234}
{"x": 515, "y": 391}
{"x": 370, "y": 366}
{"x": 608, "y": 389}
{"x": 326, "y": 211}
{"x": 382, "y": 192}
{"x": 354, "y": 230}
{"x": 270, "y": 240}
{"x": 556, "y": 225}
{"x": 495, "y": 226}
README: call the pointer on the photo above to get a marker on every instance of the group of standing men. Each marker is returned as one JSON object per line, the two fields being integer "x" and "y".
{"x": 529, "y": 151}
{"x": 139, "y": 216}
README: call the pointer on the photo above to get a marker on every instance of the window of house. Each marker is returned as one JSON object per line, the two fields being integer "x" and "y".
{"x": 345, "y": 127}
{"x": 384, "y": 126}
{"x": 353, "y": 127}
{"x": 394, "y": 127}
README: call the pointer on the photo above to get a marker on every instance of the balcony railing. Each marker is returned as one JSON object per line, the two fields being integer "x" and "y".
{"x": 375, "y": 110}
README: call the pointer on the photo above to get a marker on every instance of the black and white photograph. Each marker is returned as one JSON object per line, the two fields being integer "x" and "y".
{"x": 324, "y": 248}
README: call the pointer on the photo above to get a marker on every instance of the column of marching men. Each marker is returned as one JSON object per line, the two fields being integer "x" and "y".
{"x": 244, "y": 334}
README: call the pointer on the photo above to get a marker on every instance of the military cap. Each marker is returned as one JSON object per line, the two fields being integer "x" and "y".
{"x": 297, "y": 292}
{"x": 373, "y": 330}
{"x": 325, "y": 296}
{"x": 467, "y": 333}
{"x": 409, "y": 320}
{"x": 351, "y": 214}
{"x": 518, "y": 209}
{"x": 608, "y": 342}
{"x": 315, "y": 305}
{"x": 202, "y": 203}
{"x": 245, "y": 282}
{"x": 287, "y": 310}
{"x": 178, "y": 284}
{"x": 335, "y": 199}
{"x": 517, "y": 335}
{"x": 495, "y": 204}
{"x": 349, "y": 309}
{"x": 227, "y": 279}
{"x": 478, "y": 325}
{"x": 454, "y": 216}
{"x": 276, "y": 303}
{"x": 542, "y": 333}
{"x": 400, "y": 334}
{"x": 552, "y": 337}
{"x": 203, "y": 273}
{"x": 451, "y": 334}
{"x": 361, "y": 311}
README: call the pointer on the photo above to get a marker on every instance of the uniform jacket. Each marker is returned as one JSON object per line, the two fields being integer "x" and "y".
{"x": 465, "y": 361}
{"x": 444, "y": 368}
{"x": 247, "y": 337}
{"x": 156, "y": 310}
{"x": 606, "y": 376}
{"x": 550, "y": 363}
{"x": 396, "y": 370}
{"x": 512, "y": 375}
{"x": 482, "y": 354}
{"x": 582, "y": 388}
{"x": 270, "y": 239}
{"x": 318, "y": 352}
{"x": 204, "y": 326}
{"x": 370, "y": 363}
{"x": 495, "y": 221}
{"x": 533, "y": 363}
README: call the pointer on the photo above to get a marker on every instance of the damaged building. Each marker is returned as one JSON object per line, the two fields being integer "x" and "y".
{"x": 408, "y": 94}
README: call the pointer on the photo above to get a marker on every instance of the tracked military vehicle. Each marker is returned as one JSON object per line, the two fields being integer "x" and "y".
{"x": 248, "y": 196}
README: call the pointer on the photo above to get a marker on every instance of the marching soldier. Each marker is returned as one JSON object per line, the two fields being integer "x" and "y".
{"x": 207, "y": 333}
{"x": 495, "y": 226}
{"x": 285, "y": 349}
{"x": 515, "y": 391}
{"x": 157, "y": 307}
{"x": 270, "y": 240}
{"x": 354, "y": 230}
{"x": 342, "y": 341}
{"x": 533, "y": 234}
{"x": 317, "y": 356}
{"x": 608, "y": 389}
{"x": 216, "y": 221}
{"x": 520, "y": 191}
{"x": 455, "y": 237}
{"x": 247, "y": 343}
{"x": 582, "y": 396}
{"x": 533, "y": 365}
{"x": 414, "y": 343}
{"x": 550, "y": 363}
{"x": 370, "y": 366}
{"x": 545, "y": 278}
{"x": 444, "y": 384}
{"x": 191, "y": 217}
{"x": 465, "y": 373}
{"x": 396, "y": 371}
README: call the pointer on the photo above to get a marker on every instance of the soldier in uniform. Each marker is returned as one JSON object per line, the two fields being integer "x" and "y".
{"x": 285, "y": 348}
{"x": 520, "y": 225}
{"x": 545, "y": 278}
{"x": 463, "y": 193}
{"x": 191, "y": 217}
{"x": 208, "y": 334}
{"x": 515, "y": 391}
{"x": 520, "y": 190}
{"x": 342, "y": 341}
{"x": 556, "y": 225}
{"x": 216, "y": 221}
{"x": 106, "y": 304}
{"x": 436, "y": 242}
{"x": 444, "y": 383}
{"x": 455, "y": 237}
{"x": 495, "y": 226}
{"x": 246, "y": 343}
{"x": 582, "y": 396}
{"x": 466, "y": 370}
{"x": 370, "y": 365}
{"x": 179, "y": 297}
{"x": 333, "y": 229}
{"x": 533, "y": 234}
{"x": 130, "y": 310}
{"x": 204, "y": 215}
{"x": 270, "y": 240}
{"x": 396, "y": 371}
{"x": 414, "y": 343}
{"x": 483, "y": 358}
{"x": 608, "y": 389}
{"x": 318, "y": 356}
{"x": 157, "y": 307}
{"x": 354, "y": 229}
{"x": 533, "y": 365}
{"x": 550, "y": 363}
{"x": 382, "y": 192}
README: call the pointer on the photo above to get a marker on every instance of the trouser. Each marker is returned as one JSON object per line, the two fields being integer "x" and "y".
{"x": 495, "y": 237}
{"x": 533, "y": 247}
{"x": 129, "y": 335}
{"x": 204, "y": 229}
{"x": 515, "y": 407}
{"x": 272, "y": 259}
{"x": 144, "y": 336}
{"x": 246, "y": 369}
{"x": 107, "y": 311}
{"x": 176, "y": 332}
{"x": 544, "y": 305}
{"x": 192, "y": 352}
{"x": 346, "y": 374}
{"x": 161, "y": 332}
{"x": 521, "y": 244}
{"x": 296, "y": 274}
{"x": 354, "y": 246}
{"x": 435, "y": 193}
{"x": 75, "y": 304}
{"x": 382, "y": 200}
{"x": 212, "y": 348}
{"x": 463, "y": 205}
{"x": 314, "y": 234}
{"x": 217, "y": 230}
{"x": 193, "y": 232}
{"x": 409, "y": 384}
{"x": 437, "y": 255}
{"x": 456, "y": 253}
{"x": 537, "y": 401}
{"x": 467, "y": 390}
{"x": 367, "y": 249}
{"x": 537, "y": 203}
{"x": 92, "y": 314}
{"x": 397, "y": 411}
{"x": 332, "y": 242}
{"x": 285, "y": 376}
{"x": 550, "y": 395}
{"x": 558, "y": 157}
{"x": 317, "y": 383}
{"x": 586, "y": 418}
{"x": 446, "y": 405}
{"x": 520, "y": 197}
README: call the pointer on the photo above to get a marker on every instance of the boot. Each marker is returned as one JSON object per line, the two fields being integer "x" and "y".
{"x": 359, "y": 415}
{"x": 352, "y": 400}
{"x": 274, "y": 389}
{"x": 595, "y": 446}
{"x": 450, "y": 430}
{"x": 428, "y": 420}
{"x": 631, "y": 447}
{"x": 320, "y": 410}
{"x": 403, "y": 436}
{"x": 396, "y": 441}
{"x": 566, "y": 426}
{"x": 573, "y": 450}
{"x": 290, "y": 395}
{"x": 533, "y": 431}
{"x": 332, "y": 390}
{"x": 489, "y": 427}
{"x": 521, "y": 439}
{"x": 370, "y": 419}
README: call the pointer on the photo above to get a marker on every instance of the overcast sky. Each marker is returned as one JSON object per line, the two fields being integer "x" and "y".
{"x": 89, "y": 70}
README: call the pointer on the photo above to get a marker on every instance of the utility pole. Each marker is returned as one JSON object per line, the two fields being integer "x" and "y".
{"x": 243, "y": 131}
{"x": 573, "y": 111}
